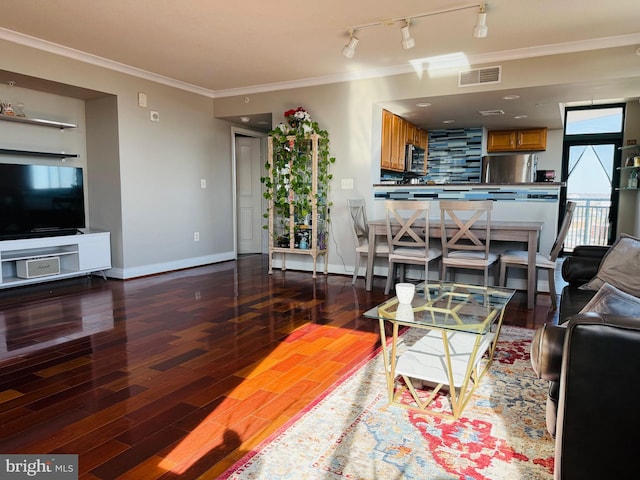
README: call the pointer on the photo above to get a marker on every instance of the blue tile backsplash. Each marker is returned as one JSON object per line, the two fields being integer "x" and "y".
{"x": 454, "y": 155}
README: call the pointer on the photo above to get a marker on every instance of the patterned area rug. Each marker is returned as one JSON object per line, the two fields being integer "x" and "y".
{"x": 352, "y": 432}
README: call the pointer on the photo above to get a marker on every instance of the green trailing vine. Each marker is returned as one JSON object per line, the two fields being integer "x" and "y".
{"x": 288, "y": 185}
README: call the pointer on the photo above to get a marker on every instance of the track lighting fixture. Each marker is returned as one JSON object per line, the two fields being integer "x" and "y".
{"x": 349, "y": 49}
{"x": 407, "y": 40}
{"x": 480, "y": 30}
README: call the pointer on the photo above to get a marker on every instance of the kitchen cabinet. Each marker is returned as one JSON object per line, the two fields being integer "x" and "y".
{"x": 396, "y": 134}
{"x": 416, "y": 136}
{"x": 393, "y": 142}
{"x": 532, "y": 139}
{"x": 411, "y": 134}
{"x": 423, "y": 139}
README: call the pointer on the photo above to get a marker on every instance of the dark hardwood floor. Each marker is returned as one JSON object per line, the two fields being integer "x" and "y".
{"x": 178, "y": 375}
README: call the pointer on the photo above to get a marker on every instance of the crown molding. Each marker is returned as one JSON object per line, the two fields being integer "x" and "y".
{"x": 50, "y": 47}
{"x": 500, "y": 56}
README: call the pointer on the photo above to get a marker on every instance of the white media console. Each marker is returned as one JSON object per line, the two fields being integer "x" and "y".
{"x": 43, "y": 259}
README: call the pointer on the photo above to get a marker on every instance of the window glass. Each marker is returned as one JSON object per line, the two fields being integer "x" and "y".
{"x": 594, "y": 120}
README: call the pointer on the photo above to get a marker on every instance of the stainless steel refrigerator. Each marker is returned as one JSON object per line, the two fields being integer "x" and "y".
{"x": 516, "y": 168}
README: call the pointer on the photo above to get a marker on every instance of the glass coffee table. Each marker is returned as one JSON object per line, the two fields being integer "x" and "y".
{"x": 461, "y": 324}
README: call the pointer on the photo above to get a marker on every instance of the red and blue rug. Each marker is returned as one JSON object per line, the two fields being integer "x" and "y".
{"x": 353, "y": 433}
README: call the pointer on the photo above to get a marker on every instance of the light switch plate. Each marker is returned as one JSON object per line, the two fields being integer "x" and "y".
{"x": 347, "y": 184}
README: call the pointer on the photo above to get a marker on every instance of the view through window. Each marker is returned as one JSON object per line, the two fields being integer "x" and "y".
{"x": 591, "y": 157}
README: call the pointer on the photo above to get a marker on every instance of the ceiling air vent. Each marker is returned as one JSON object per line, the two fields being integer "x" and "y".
{"x": 491, "y": 113}
{"x": 479, "y": 76}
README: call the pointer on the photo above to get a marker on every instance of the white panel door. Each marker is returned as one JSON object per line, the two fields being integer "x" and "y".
{"x": 249, "y": 194}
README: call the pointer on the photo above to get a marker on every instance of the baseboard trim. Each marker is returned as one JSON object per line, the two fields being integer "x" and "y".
{"x": 143, "y": 270}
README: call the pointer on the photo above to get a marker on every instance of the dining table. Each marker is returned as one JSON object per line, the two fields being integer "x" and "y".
{"x": 501, "y": 230}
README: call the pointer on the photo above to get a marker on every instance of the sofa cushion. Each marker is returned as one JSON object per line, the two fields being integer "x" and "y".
{"x": 609, "y": 299}
{"x": 619, "y": 267}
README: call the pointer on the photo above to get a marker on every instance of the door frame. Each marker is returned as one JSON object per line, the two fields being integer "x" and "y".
{"x": 615, "y": 139}
{"x": 235, "y": 131}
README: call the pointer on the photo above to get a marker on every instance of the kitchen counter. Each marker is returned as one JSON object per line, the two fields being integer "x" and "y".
{"x": 538, "y": 192}
{"x": 472, "y": 185}
{"x": 531, "y": 202}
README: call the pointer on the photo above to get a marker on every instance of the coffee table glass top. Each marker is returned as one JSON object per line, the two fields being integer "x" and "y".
{"x": 449, "y": 306}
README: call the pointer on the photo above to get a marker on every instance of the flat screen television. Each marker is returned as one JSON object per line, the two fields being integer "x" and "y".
{"x": 40, "y": 200}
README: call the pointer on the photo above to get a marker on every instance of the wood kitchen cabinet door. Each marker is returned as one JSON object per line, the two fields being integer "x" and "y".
{"x": 534, "y": 139}
{"x": 394, "y": 138}
{"x": 398, "y": 142}
{"x": 385, "y": 146}
{"x": 411, "y": 134}
{"x": 501, "y": 140}
{"x": 423, "y": 139}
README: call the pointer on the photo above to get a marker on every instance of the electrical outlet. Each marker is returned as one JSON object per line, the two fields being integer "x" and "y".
{"x": 196, "y": 236}
{"x": 154, "y": 116}
{"x": 203, "y": 183}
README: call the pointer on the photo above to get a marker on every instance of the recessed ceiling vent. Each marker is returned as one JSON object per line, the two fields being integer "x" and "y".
{"x": 479, "y": 76}
{"x": 491, "y": 113}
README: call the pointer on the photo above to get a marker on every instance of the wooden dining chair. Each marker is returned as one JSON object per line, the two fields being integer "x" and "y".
{"x": 407, "y": 237}
{"x": 360, "y": 231}
{"x": 520, "y": 258}
{"x": 466, "y": 242}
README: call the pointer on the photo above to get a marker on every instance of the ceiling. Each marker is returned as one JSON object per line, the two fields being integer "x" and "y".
{"x": 231, "y": 48}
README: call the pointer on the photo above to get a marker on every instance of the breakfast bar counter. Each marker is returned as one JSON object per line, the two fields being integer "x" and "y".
{"x": 532, "y": 208}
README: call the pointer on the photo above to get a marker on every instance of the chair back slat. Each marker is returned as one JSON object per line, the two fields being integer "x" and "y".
{"x": 358, "y": 217}
{"x": 562, "y": 233}
{"x": 407, "y": 231}
{"x": 462, "y": 236}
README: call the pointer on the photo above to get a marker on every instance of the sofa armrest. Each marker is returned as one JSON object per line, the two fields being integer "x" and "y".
{"x": 582, "y": 265}
{"x": 546, "y": 351}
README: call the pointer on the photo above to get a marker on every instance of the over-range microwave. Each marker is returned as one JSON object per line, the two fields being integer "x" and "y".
{"x": 414, "y": 158}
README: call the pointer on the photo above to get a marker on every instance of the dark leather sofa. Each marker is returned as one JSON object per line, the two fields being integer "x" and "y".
{"x": 592, "y": 362}
{"x": 577, "y": 269}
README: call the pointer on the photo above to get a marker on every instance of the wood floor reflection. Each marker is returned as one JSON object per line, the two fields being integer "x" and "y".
{"x": 178, "y": 375}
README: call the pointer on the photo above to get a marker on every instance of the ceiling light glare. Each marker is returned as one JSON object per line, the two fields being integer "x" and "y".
{"x": 481, "y": 29}
{"x": 448, "y": 121}
{"x": 407, "y": 40}
{"x": 519, "y": 117}
{"x": 511, "y": 97}
{"x": 349, "y": 49}
{"x": 423, "y": 104}
{"x": 245, "y": 119}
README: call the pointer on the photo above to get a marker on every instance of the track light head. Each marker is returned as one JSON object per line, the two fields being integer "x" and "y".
{"x": 349, "y": 49}
{"x": 481, "y": 29}
{"x": 407, "y": 40}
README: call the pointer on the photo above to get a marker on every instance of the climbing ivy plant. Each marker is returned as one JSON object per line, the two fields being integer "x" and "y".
{"x": 289, "y": 183}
